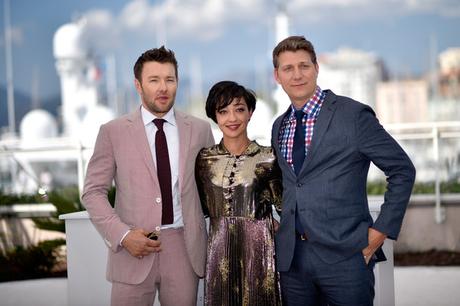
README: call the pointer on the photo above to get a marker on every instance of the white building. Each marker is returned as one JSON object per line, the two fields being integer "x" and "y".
{"x": 352, "y": 73}
{"x": 81, "y": 113}
{"x": 449, "y": 74}
{"x": 40, "y": 156}
{"x": 449, "y": 60}
{"x": 402, "y": 101}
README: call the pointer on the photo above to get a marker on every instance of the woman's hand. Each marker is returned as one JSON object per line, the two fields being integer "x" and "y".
{"x": 276, "y": 225}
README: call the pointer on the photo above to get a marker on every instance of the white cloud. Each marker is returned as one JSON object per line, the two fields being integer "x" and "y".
{"x": 208, "y": 19}
{"x": 449, "y": 8}
{"x": 102, "y": 30}
{"x": 314, "y": 11}
{"x": 195, "y": 19}
{"x": 135, "y": 14}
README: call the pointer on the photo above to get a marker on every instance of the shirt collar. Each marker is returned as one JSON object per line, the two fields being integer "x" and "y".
{"x": 147, "y": 116}
{"x": 311, "y": 106}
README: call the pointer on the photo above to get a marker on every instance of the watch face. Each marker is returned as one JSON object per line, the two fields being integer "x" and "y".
{"x": 153, "y": 235}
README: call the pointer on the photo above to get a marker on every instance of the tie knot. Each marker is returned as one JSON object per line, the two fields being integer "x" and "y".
{"x": 299, "y": 115}
{"x": 159, "y": 123}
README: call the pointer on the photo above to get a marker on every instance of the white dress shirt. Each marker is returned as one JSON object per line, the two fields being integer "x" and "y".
{"x": 172, "y": 138}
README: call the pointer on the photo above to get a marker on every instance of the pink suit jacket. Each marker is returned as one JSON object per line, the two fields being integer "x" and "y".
{"x": 122, "y": 154}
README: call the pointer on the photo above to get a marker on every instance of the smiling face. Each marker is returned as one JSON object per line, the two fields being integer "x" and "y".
{"x": 157, "y": 87}
{"x": 297, "y": 74}
{"x": 233, "y": 119}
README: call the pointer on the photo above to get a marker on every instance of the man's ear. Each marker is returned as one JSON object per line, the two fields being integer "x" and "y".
{"x": 275, "y": 75}
{"x": 138, "y": 86}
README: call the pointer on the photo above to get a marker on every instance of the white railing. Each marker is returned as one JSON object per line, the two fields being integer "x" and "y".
{"x": 71, "y": 149}
{"x": 434, "y": 131}
{"x": 27, "y": 210}
{"x": 55, "y": 149}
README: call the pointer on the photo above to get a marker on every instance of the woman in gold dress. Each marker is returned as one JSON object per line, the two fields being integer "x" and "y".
{"x": 239, "y": 181}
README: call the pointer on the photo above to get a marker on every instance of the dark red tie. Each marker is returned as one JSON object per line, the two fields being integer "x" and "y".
{"x": 164, "y": 173}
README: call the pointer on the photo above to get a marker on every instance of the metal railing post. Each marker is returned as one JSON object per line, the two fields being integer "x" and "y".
{"x": 80, "y": 169}
{"x": 439, "y": 212}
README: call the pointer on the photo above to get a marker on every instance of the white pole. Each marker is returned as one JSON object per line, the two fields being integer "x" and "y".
{"x": 80, "y": 169}
{"x": 9, "y": 69}
{"x": 111, "y": 81}
{"x": 440, "y": 214}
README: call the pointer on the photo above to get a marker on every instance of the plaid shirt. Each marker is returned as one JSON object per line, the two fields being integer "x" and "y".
{"x": 286, "y": 135}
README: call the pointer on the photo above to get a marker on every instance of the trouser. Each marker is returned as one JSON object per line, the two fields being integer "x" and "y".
{"x": 310, "y": 281}
{"x": 171, "y": 274}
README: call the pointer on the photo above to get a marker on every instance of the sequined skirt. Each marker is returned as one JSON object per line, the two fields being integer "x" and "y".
{"x": 240, "y": 268}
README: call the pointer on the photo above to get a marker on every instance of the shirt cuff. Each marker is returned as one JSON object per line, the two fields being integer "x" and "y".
{"x": 122, "y": 238}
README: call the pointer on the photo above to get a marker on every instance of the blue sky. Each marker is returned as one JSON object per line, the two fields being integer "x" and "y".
{"x": 225, "y": 36}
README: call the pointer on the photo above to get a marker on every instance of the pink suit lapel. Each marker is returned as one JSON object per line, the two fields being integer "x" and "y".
{"x": 185, "y": 130}
{"x": 137, "y": 132}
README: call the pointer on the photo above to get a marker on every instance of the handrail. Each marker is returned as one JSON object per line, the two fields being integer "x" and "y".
{"x": 400, "y": 131}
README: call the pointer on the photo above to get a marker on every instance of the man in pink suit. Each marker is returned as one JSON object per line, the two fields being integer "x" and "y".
{"x": 150, "y": 155}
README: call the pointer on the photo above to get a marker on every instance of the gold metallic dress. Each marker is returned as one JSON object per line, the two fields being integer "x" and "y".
{"x": 237, "y": 193}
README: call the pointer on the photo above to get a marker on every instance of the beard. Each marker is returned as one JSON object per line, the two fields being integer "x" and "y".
{"x": 158, "y": 108}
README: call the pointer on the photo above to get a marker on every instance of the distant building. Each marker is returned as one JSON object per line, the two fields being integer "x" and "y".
{"x": 402, "y": 101}
{"x": 449, "y": 74}
{"x": 42, "y": 156}
{"x": 281, "y": 32}
{"x": 350, "y": 72}
{"x": 81, "y": 113}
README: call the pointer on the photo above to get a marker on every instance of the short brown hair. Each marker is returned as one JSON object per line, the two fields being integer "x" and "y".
{"x": 293, "y": 43}
{"x": 161, "y": 55}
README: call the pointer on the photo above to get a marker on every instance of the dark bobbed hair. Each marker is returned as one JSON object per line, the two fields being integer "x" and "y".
{"x": 222, "y": 94}
{"x": 161, "y": 55}
{"x": 293, "y": 43}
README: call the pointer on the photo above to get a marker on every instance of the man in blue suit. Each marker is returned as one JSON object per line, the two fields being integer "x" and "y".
{"x": 327, "y": 243}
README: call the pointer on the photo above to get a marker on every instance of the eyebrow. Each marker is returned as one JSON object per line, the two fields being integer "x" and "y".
{"x": 301, "y": 62}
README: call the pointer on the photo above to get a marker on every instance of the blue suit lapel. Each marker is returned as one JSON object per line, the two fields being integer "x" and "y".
{"x": 322, "y": 123}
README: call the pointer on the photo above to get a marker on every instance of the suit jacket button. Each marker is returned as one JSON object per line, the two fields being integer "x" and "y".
{"x": 158, "y": 200}
{"x": 299, "y": 185}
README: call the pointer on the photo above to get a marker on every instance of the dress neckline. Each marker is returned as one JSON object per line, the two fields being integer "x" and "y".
{"x": 252, "y": 148}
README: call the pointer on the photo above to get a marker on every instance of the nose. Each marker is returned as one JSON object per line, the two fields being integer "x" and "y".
{"x": 163, "y": 86}
{"x": 297, "y": 73}
{"x": 231, "y": 115}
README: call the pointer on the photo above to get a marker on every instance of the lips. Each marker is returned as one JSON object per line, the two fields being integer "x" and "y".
{"x": 233, "y": 127}
{"x": 163, "y": 98}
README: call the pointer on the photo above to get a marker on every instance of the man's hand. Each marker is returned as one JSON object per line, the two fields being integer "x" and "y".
{"x": 376, "y": 239}
{"x": 138, "y": 245}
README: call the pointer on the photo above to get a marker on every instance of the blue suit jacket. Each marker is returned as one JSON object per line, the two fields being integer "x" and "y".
{"x": 330, "y": 190}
